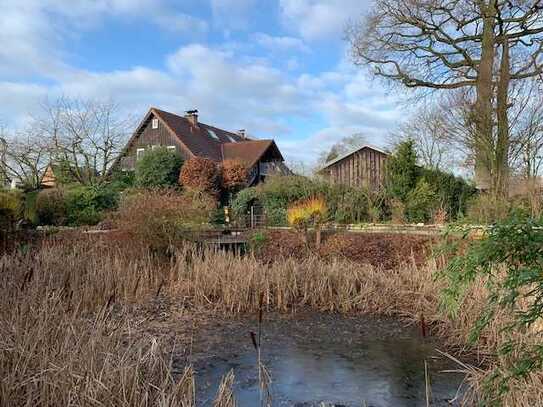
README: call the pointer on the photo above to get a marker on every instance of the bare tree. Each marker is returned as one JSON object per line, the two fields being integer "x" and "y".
{"x": 482, "y": 46}
{"x": 25, "y": 157}
{"x": 343, "y": 146}
{"x": 430, "y": 133}
{"x": 85, "y": 136}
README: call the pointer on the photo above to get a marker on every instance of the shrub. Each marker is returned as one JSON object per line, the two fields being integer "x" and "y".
{"x": 485, "y": 208}
{"x": 121, "y": 180}
{"x": 244, "y": 198}
{"x": 509, "y": 260}
{"x": 308, "y": 213}
{"x": 397, "y": 211}
{"x": 158, "y": 168}
{"x": 402, "y": 171}
{"x": 30, "y": 211}
{"x": 421, "y": 202}
{"x": 453, "y": 192}
{"x": 162, "y": 218}
{"x": 234, "y": 175}
{"x": 345, "y": 204}
{"x": 200, "y": 174}
{"x": 11, "y": 209}
{"x": 51, "y": 207}
{"x": 87, "y": 205}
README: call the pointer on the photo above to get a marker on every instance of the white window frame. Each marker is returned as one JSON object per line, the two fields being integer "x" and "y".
{"x": 154, "y": 123}
{"x": 170, "y": 148}
{"x": 139, "y": 153}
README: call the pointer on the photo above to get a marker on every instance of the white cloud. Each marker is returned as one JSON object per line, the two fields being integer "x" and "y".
{"x": 33, "y": 31}
{"x": 232, "y": 86}
{"x": 321, "y": 19}
{"x": 280, "y": 43}
{"x": 234, "y": 92}
{"x": 24, "y": 100}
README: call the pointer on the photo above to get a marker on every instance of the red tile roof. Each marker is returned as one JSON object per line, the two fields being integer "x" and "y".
{"x": 249, "y": 152}
{"x": 211, "y": 142}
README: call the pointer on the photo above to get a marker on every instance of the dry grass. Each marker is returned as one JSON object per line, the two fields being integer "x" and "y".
{"x": 65, "y": 339}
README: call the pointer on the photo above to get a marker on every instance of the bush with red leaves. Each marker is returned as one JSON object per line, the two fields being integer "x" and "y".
{"x": 234, "y": 175}
{"x": 200, "y": 174}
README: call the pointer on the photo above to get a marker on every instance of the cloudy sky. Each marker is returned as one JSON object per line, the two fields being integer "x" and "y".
{"x": 278, "y": 68}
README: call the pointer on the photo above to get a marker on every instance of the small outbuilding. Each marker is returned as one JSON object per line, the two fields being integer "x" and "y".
{"x": 363, "y": 167}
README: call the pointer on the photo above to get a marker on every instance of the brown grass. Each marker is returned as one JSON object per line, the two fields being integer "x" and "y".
{"x": 65, "y": 339}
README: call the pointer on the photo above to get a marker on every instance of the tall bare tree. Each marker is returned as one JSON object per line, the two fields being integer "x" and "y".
{"x": 85, "y": 136}
{"x": 24, "y": 157}
{"x": 428, "y": 128}
{"x": 482, "y": 46}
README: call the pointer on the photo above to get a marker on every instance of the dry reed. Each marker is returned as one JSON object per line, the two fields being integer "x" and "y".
{"x": 65, "y": 341}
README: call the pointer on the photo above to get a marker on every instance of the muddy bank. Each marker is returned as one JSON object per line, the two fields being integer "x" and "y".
{"x": 318, "y": 358}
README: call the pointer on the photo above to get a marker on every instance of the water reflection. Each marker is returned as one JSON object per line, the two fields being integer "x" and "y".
{"x": 334, "y": 360}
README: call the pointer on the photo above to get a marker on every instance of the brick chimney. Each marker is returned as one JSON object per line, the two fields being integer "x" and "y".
{"x": 192, "y": 117}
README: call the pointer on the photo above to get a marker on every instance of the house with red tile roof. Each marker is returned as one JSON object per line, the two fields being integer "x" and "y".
{"x": 192, "y": 138}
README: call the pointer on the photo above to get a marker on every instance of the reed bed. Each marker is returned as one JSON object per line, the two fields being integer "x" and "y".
{"x": 64, "y": 340}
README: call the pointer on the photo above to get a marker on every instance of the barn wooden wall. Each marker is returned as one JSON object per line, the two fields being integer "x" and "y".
{"x": 365, "y": 168}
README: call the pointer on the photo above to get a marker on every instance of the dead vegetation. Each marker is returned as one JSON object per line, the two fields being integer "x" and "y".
{"x": 66, "y": 339}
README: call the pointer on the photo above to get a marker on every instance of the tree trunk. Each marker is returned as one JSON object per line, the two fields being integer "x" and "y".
{"x": 501, "y": 157}
{"x": 483, "y": 112}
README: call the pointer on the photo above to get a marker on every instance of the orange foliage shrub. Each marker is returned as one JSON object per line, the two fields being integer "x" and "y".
{"x": 200, "y": 174}
{"x": 234, "y": 175}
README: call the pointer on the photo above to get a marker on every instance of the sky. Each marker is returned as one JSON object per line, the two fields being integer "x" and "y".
{"x": 278, "y": 68}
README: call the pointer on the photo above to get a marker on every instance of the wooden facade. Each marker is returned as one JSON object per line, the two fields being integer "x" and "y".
{"x": 363, "y": 168}
{"x": 146, "y": 138}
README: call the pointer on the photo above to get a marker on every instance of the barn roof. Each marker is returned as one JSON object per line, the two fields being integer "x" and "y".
{"x": 343, "y": 156}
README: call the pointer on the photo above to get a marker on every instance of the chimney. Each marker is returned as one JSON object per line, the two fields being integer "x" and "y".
{"x": 242, "y": 133}
{"x": 192, "y": 117}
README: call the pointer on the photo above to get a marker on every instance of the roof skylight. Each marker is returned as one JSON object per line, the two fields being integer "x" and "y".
{"x": 232, "y": 139}
{"x": 213, "y": 134}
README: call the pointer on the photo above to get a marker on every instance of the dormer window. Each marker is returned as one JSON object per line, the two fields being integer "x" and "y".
{"x": 154, "y": 124}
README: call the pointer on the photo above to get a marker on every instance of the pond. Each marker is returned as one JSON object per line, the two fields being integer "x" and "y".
{"x": 325, "y": 359}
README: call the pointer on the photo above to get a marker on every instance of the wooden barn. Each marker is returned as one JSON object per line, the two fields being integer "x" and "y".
{"x": 363, "y": 167}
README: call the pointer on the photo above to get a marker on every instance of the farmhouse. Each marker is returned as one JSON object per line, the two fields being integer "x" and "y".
{"x": 362, "y": 167}
{"x": 192, "y": 138}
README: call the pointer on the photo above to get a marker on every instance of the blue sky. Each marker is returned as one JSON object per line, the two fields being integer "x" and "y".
{"x": 278, "y": 68}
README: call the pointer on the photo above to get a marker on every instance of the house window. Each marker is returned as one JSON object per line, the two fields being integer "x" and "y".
{"x": 171, "y": 148}
{"x": 139, "y": 153}
{"x": 154, "y": 123}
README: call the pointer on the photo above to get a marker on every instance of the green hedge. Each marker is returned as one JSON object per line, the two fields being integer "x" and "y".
{"x": 11, "y": 209}
{"x": 88, "y": 205}
{"x": 345, "y": 205}
{"x": 158, "y": 168}
{"x": 76, "y": 206}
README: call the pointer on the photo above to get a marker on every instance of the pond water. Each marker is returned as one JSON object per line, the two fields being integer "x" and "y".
{"x": 323, "y": 359}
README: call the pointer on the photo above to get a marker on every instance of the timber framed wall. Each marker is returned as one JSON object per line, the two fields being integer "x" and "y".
{"x": 363, "y": 168}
